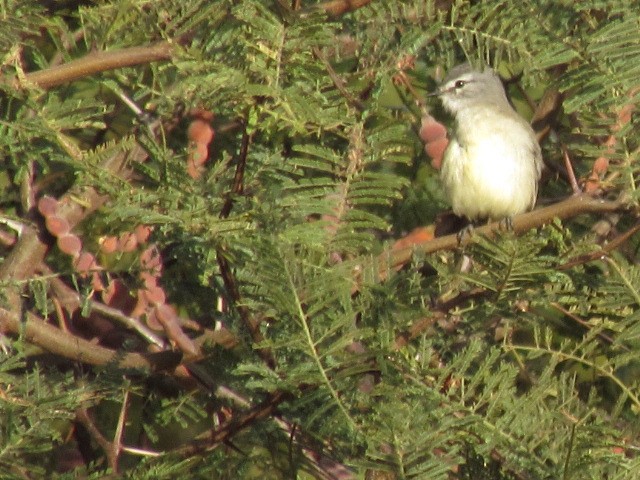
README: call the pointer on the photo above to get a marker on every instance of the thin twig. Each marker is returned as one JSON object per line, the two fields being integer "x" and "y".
{"x": 604, "y": 250}
{"x": 82, "y": 415}
{"x": 118, "y": 435}
{"x": 228, "y": 278}
{"x": 606, "y": 338}
{"x": 72, "y": 301}
{"x": 210, "y": 441}
{"x": 252, "y": 325}
{"x": 338, "y": 82}
{"x": 570, "y": 172}
{"x": 238, "y": 178}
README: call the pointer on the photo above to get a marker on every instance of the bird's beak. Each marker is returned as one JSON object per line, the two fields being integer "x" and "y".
{"x": 434, "y": 94}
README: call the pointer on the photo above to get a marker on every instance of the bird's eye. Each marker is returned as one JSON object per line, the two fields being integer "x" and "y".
{"x": 459, "y": 84}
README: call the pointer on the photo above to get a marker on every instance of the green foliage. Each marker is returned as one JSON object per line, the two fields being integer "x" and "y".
{"x": 36, "y": 410}
{"x": 504, "y": 360}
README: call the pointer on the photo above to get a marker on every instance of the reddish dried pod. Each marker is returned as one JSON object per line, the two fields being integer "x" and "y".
{"x": 150, "y": 259}
{"x": 108, "y": 244}
{"x": 169, "y": 319}
{"x": 47, "y": 206}
{"x": 109, "y": 292}
{"x": 85, "y": 262}
{"x": 117, "y": 295}
{"x": 435, "y": 150}
{"x": 142, "y": 233}
{"x": 141, "y": 306}
{"x": 431, "y": 129}
{"x": 434, "y": 136}
{"x": 152, "y": 321}
{"x": 56, "y": 225}
{"x": 201, "y": 113}
{"x": 69, "y": 244}
{"x": 200, "y": 132}
{"x": 600, "y": 166}
{"x": 148, "y": 279}
{"x": 96, "y": 282}
{"x": 156, "y": 294}
{"x": 197, "y": 158}
{"x": 127, "y": 242}
{"x": 593, "y": 181}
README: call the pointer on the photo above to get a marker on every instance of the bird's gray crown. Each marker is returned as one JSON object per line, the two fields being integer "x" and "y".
{"x": 466, "y": 87}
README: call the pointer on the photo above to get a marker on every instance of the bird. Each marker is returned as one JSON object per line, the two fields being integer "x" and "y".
{"x": 492, "y": 164}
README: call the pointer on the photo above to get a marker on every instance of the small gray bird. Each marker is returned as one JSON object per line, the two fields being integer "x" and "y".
{"x": 491, "y": 167}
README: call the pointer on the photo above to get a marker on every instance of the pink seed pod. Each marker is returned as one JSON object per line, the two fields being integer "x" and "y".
{"x": 56, "y": 225}
{"x": 141, "y": 306}
{"x": 108, "y": 244}
{"x": 142, "y": 233}
{"x": 127, "y": 242}
{"x": 148, "y": 279}
{"x": 156, "y": 295}
{"x": 168, "y": 317}
{"x": 85, "y": 262}
{"x": 152, "y": 321}
{"x": 69, "y": 244}
{"x": 96, "y": 282}
{"x": 431, "y": 129}
{"x": 150, "y": 260}
{"x": 434, "y": 136}
{"x": 47, "y": 206}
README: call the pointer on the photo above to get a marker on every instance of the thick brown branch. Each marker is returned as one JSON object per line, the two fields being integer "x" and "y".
{"x": 24, "y": 257}
{"x": 54, "y": 340}
{"x": 97, "y": 62}
{"x": 571, "y": 207}
{"x": 20, "y": 264}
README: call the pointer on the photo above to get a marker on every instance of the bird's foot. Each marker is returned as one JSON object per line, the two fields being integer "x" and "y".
{"x": 506, "y": 224}
{"x": 465, "y": 233}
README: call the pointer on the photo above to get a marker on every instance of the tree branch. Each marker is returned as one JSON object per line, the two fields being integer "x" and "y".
{"x": 72, "y": 301}
{"x": 52, "y": 339}
{"x": 82, "y": 416}
{"x": 571, "y": 207}
{"x": 97, "y": 62}
{"x": 230, "y": 284}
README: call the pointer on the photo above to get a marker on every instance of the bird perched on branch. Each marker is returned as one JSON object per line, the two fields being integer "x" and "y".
{"x": 492, "y": 164}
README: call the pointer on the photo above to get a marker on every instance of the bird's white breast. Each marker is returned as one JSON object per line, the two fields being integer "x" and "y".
{"x": 492, "y": 165}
